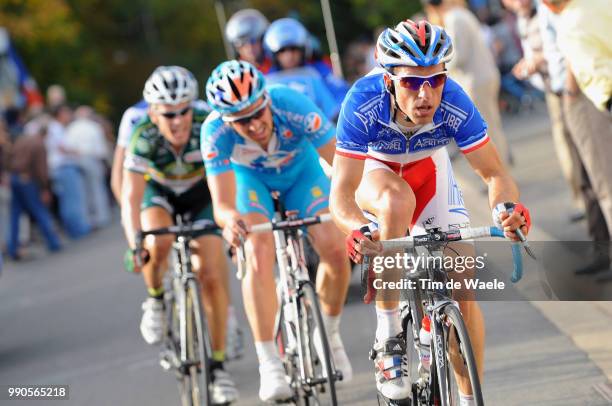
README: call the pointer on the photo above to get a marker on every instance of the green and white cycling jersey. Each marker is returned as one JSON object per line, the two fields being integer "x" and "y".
{"x": 152, "y": 155}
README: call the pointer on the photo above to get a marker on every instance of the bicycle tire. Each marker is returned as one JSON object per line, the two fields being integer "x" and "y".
{"x": 196, "y": 376}
{"x": 286, "y": 352}
{"x": 309, "y": 314}
{"x": 454, "y": 322}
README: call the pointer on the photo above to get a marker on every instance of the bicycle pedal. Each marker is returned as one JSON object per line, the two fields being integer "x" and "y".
{"x": 168, "y": 360}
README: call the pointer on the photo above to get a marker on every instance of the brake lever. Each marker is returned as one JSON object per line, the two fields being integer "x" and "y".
{"x": 525, "y": 243}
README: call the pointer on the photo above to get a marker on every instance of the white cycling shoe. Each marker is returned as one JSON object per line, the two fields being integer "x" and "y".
{"x": 223, "y": 388}
{"x": 391, "y": 371}
{"x": 341, "y": 360}
{"x": 153, "y": 323}
{"x": 273, "y": 385}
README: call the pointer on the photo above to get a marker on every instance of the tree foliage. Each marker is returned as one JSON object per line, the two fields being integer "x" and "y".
{"x": 103, "y": 50}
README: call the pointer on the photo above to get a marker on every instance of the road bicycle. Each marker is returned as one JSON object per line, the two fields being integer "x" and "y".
{"x": 300, "y": 333}
{"x": 186, "y": 348}
{"x": 450, "y": 346}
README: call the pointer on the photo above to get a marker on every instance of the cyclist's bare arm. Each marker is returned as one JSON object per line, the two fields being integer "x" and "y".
{"x": 132, "y": 191}
{"x": 223, "y": 193}
{"x": 502, "y": 188}
{"x": 117, "y": 172}
{"x": 345, "y": 181}
{"x": 327, "y": 151}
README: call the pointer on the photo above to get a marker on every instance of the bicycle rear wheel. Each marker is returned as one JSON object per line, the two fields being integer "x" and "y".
{"x": 195, "y": 383}
{"x": 459, "y": 362}
{"x": 318, "y": 371}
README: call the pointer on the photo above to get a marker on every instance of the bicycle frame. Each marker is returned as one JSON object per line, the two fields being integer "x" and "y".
{"x": 185, "y": 284}
{"x": 436, "y": 302}
{"x": 291, "y": 288}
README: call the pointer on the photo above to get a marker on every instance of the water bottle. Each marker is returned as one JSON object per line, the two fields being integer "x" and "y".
{"x": 425, "y": 341}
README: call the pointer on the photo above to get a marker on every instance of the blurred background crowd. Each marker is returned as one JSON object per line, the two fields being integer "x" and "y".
{"x": 68, "y": 70}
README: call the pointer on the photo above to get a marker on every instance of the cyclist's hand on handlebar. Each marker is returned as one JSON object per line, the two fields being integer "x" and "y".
{"x": 363, "y": 241}
{"x": 233, "y": 230}
{"x": 135, "y": 258}
{"x": 511, "y": 218}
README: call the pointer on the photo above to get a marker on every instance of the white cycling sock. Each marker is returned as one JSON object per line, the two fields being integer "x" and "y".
{"x": 466, "y": 400}
{"x": 266, "y": 352}
{"x": 387, "y": 323}
{"x": 331, "y": 323}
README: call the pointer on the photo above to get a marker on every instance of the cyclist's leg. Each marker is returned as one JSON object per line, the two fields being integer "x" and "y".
{"x": 258, "y": 287}
{"x": 388, "y": 197}
{"x": 155, "y": 213}
{"x": 310, "y": 196}
{"x": 210, "y": 263}
{"x": 447, "y": 210}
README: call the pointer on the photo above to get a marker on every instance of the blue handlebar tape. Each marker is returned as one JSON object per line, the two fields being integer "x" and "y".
{"x": 517, "y": 258}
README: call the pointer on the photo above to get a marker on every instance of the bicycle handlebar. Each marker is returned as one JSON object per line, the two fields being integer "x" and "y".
{"x": 186, "y": 230}
{"x": 458, "y": 235}
{"x": 290, "y": 224}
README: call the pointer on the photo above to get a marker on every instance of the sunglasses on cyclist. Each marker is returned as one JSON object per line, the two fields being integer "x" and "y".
{"x": 171, "y": 114}
{"x": 246, "y": 119}
{"x": 414, "y": 82}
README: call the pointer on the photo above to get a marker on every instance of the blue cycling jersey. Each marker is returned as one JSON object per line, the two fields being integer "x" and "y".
{"x": 366, "y": 127}
{"x": 299, "y": 125}
{"x": 309, "y": 82}
{"x": 335, "y": 85}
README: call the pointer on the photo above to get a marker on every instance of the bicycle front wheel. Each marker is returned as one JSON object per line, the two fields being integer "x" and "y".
{"x": 318, "y": 371}
{"x": 459, "y": 364}
{"x": 196, "y": 354}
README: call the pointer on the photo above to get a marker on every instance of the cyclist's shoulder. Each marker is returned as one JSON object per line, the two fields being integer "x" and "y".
{"x": 215, "y": 130}
{"x": 145, "y": 137}
{"x": 369, "y": 86}
{"x": 366, "y": 103}
{"x": 200, "y": 115}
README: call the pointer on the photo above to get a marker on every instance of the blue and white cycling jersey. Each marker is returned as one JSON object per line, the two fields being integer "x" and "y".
{"x": 299, "y": 128}
{"x": 132, "y": 116}
{"x": 366, "y": 127}
{"x": 309, "y": 82}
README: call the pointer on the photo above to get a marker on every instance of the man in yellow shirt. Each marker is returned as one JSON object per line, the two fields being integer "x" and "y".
{"x": 584, "y": 33}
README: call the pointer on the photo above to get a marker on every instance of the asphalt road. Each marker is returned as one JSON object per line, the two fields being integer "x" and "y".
{"x": 72, "y": 318}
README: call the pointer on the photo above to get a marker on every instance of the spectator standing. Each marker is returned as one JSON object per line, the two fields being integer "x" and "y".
{"x": 86, "y": 137}
{"x": 583, "y": 32}
{"x": 473, "y": 66}
{"x": 68, "y": 182}
{"x": 544, "y": 66}
{"x": 30, "y": 189}
{"x": 5, "y": 186}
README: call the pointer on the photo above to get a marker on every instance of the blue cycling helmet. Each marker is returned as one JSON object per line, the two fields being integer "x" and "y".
{"x": 233, "y": 86}
{"x": 286, "y": 32}
{"x": 413, "y": 44}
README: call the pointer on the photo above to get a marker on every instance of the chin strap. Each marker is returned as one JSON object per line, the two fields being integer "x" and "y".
{"x": 396, "y": 107}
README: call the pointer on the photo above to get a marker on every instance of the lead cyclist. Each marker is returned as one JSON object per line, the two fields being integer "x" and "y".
{"x": 391, "y": 163}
